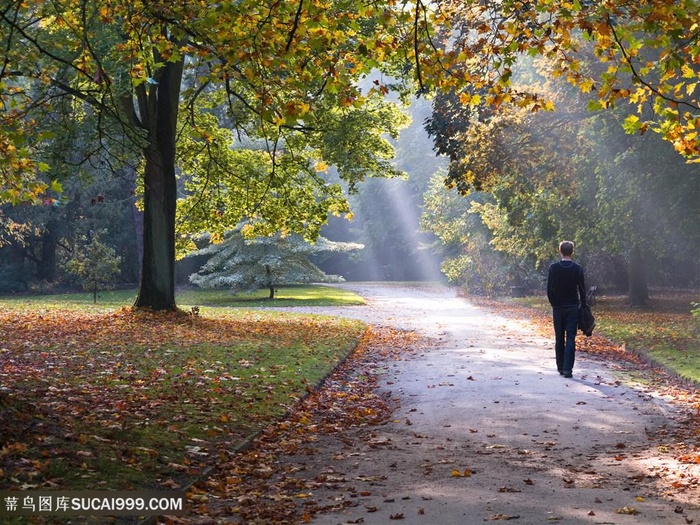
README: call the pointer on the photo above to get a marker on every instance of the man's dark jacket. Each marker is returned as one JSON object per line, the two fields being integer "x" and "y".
{"x": 565, "y": 286}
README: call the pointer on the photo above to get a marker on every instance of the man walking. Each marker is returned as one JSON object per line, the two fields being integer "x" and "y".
{"x": 566, "y": 292}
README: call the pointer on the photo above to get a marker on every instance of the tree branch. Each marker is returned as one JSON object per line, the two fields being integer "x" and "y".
{"x": 419, "y": 74}
{"x": 636, "y": 74}
{"x": 297, "y": 19}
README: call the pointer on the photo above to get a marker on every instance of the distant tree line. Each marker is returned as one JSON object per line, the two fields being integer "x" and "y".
{"x": 518, "y": 182}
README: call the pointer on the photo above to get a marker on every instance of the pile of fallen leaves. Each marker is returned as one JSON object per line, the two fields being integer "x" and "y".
{"x": 255, "y": 485}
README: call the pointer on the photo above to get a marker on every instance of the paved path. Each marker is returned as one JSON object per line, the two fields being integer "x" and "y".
{"x": 486, "y": 400}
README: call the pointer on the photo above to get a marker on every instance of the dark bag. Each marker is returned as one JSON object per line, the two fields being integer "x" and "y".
{"x": 586, "y": 321}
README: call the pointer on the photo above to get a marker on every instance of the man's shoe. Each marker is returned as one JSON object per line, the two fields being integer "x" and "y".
{"x": 568, "y": 375}
{"x": 561, "y": 372}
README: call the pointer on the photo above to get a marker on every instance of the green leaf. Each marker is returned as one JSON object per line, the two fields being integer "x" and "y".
{"x": 56, "y": 186}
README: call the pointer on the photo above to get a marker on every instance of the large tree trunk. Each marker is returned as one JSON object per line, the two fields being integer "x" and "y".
{"x": 157, "y": 290}
{"x": 638, "y": 288}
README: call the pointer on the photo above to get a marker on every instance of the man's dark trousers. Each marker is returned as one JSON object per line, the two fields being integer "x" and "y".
{"x": 565, "y": 326}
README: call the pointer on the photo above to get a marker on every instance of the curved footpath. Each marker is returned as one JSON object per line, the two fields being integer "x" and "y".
{"x": 487, "y": 430}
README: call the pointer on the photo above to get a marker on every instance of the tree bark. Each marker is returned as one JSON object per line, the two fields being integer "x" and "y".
{"x": 638, "y": 288}
{"x": 157, "y": 289}
{"x": 270, "y": 284}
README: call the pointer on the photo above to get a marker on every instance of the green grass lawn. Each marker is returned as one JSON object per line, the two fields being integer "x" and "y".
{"x": 294, "y": 295}
{"x": 113, "y": 397}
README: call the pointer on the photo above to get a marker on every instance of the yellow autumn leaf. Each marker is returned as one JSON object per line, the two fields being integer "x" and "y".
{"x": 279, "y": 120}
{"x": 687, "y": 71}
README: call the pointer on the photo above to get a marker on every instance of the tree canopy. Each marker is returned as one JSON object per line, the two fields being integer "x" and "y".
{"x": 146, "y": 78}
{"x": 156, "y": 87}
{"x": 646, "y": 54}
{"x": 629, "y": 202}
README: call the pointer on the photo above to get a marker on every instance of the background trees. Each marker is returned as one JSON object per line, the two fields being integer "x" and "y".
{"x": 96, "y": 266}
{"x": 386, "y": 214}
{"x": 49, "y": 234}
{"x": 570, "y": 173}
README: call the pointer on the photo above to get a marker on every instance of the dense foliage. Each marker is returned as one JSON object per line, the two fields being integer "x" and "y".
{"x": 240, "y": 107}
{"x": 629, "y": 202}
{"x": 156, "y": 86}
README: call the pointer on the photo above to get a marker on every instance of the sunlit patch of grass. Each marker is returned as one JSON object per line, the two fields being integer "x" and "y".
{"x": 305, "y": 295}
{"x": 665, "y": 330}
{"x": 297, "y": 295}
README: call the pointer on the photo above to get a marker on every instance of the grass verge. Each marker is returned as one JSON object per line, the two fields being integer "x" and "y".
{"x": 127, "y": 400}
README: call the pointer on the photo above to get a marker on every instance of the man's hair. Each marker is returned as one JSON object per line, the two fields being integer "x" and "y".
{"x": 566, "y": 248}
